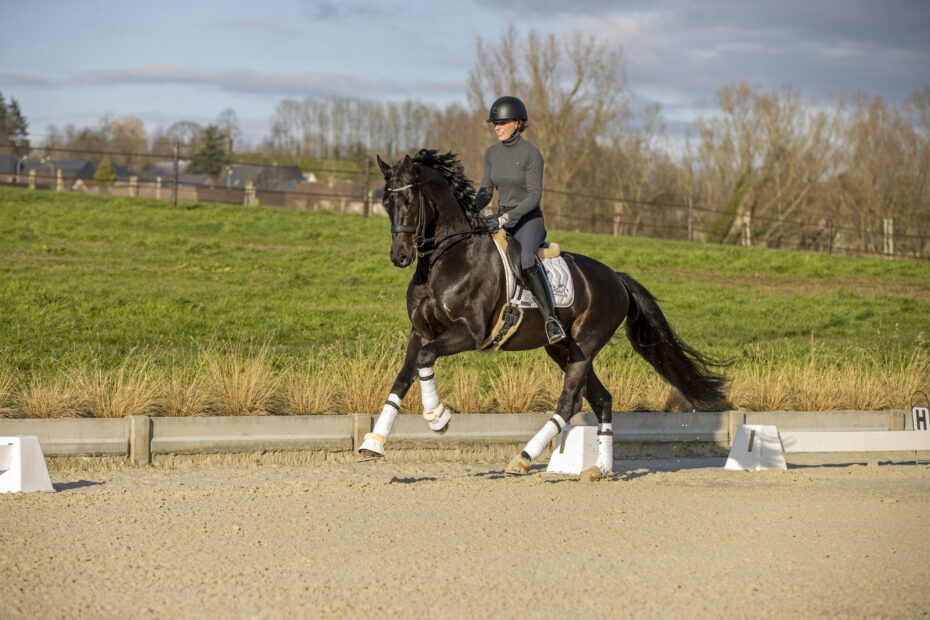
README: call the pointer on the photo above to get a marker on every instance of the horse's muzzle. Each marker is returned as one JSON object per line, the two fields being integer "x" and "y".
{"x": 402, "y": 252}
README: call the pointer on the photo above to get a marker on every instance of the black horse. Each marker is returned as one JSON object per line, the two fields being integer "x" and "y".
{"x": 455, "y": 298}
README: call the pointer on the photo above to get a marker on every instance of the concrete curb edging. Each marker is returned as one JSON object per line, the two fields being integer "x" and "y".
{"x": 141, "y": 437}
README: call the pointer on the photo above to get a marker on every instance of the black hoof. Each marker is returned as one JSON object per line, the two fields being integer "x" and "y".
{"x": 443, "y": 430}
{"x": 368, "y": 455}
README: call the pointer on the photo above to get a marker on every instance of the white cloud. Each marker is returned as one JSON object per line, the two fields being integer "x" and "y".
{"x": 246, "y": 81}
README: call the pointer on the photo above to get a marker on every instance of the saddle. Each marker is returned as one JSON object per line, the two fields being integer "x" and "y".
{"x": 558, "y": 277}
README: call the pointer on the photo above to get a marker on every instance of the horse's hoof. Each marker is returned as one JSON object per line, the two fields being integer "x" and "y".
{"x": 368, "y": 455}
{"x": 517, "y": 466}
{"x": 591, "y": 474}
{"x": 439, "y": 419}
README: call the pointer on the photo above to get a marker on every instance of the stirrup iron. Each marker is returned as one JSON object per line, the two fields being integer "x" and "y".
{"x": 554, "y": 331}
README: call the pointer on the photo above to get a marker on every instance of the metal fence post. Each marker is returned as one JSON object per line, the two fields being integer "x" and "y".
{"x": 888, "y": 237}
{"x": 366, "y": 206}
{"x": 174, "y": 189}
{"x": 248, "y": 198}
{"x": 747, "y": 230}
{"x": 690, "y": 218}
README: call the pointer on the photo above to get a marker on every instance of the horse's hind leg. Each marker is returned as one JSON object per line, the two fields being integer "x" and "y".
{"x": 561, "y": 355}
{"x": 576, "y": 372}
{"x": 602, "y": 403}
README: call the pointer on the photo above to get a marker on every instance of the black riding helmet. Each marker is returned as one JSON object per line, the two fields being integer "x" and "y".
{"x": 507, "y": 109}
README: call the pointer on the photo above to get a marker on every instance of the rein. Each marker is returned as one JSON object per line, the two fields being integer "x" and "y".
{"x": 419, "y": 231}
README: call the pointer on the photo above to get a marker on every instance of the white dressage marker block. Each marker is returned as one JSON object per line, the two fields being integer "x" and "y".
{"x": 756, "y": 447}
{"x": 576, "y": 450}
{"x": 855, "y": 441}
{"x": 22, "y": 465}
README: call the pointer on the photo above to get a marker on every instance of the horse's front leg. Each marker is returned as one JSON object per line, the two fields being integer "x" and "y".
{"x": 373, "y": 445}
{"x": 460, "y": 337}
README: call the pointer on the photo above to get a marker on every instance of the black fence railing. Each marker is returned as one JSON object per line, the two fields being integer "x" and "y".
{"x": 358, "y": 190}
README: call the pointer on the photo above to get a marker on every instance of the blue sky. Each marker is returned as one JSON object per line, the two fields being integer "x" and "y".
{"x": 73, "y": 62}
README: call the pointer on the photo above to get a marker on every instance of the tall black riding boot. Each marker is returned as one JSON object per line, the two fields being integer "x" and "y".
{"x": 533, "y": 277}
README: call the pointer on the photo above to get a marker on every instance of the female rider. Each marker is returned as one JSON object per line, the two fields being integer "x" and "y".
{"x": 515, "y": 168}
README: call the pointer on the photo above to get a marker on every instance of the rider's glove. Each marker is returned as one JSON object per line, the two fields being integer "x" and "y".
{"x": 495, "y": 221}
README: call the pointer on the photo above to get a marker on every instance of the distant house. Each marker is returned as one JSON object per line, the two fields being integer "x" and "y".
{"x": 71, "y": 169}
{"x": 165, "y": 170}
{"x": 196, "y": 180}
{"x": 342, "y": 196}
{"x": 8, "y": 164}
{"x": 268, "y": 178}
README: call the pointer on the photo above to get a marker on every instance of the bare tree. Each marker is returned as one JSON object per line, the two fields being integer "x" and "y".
{"x": 128, "y": 141}
{"x": 228, "y": 123}
{"x": 286, "y": 134}
{"x": 884, "y": 171}
{"x": 763, "y": 158}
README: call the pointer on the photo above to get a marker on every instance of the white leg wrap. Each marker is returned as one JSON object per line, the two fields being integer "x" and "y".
{"x": 438, "y": 418}
{"x": 388, "y": 413}
{"x": 546, "y": 434}
{"x": 374, "y": 441}
{"x": 605, "y": 448}
{"x": 428, "y": 389}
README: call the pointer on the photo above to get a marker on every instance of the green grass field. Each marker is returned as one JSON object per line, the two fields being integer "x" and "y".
{"x": 113, "y": 287}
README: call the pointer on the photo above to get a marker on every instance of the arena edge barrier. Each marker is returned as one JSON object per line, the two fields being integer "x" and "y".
{"x": 141, "y": 437}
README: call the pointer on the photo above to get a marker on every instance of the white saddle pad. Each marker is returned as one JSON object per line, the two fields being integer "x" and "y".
{"x": 557, "y": 274}
{"x": 560, "y": 282}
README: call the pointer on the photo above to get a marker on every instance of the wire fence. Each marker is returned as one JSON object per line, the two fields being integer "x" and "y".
{"x": 356, "y": 189}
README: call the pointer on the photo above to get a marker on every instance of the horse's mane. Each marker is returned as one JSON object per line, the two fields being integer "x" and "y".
{"x": 452, "y": 170}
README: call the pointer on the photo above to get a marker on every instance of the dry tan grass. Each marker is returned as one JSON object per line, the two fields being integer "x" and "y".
{"x": 763, "y": 388}
{"x": 821, "y": 387}
{"x": 523, "y": 385}
{"x": 307, "y": 390}
{"x": 243, "y": 381}
{"x": 240, "y": 381}
{"x": 125, "y": 391}
{"x": 627, "y": 383}
{"x": 184, "y": 393}
{"x": 47, "y": 398}
{"x": 363, "y": 378}
{"x": 9, "y": 386}
{"x": 466, "y": 392}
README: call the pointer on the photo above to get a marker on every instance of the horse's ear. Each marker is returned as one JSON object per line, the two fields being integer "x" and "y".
{"x": 408, "y": 164}
{"x": 385, "y": 168}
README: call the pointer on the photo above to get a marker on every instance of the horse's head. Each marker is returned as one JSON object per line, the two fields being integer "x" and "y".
{"x": 405, "y": 205}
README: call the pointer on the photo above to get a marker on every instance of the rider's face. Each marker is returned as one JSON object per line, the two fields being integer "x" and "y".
{"x": 505, "y": 129}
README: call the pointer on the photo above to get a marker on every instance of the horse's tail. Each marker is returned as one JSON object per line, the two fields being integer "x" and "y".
{"x": 681, "y": 365}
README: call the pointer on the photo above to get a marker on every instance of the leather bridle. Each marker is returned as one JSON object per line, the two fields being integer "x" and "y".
{"x": 419, "y": 231}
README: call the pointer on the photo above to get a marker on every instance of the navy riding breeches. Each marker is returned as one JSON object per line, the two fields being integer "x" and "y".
{"x": 530, "y": 233}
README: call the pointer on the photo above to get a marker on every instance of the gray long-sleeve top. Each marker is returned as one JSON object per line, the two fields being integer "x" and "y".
{"x": 515, "y": 168}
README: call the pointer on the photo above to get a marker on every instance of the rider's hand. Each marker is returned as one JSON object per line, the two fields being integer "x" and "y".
{"x": 495, "y": 221}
